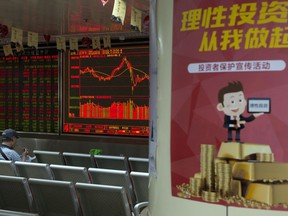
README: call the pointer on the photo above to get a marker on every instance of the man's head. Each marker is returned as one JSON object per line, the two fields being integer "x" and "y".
{"x": 10, "y": 135}
{"x": 231, "y": 99}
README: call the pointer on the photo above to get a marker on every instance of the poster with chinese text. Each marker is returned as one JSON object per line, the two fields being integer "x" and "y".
{"x": 229, "y": 109}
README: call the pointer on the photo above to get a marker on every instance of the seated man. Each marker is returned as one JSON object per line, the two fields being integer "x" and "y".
{"x": 9, "y": 140}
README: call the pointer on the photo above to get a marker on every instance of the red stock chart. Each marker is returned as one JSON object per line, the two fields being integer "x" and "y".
{"x": 107, "y": 92}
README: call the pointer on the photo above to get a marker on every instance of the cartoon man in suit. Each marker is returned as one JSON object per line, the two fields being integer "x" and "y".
{"x": 232, "y": 102}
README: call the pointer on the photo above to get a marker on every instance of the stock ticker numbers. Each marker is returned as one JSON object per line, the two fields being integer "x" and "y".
{"x": 29, "y": 91}
{"x": 108, "y": 92}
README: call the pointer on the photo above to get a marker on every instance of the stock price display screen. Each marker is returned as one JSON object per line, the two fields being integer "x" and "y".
{"x": 29, "y": 91}
{"x": 107, "y": 92}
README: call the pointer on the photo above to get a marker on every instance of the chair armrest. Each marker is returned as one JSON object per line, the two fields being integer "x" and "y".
{"x": 139, "y": 207}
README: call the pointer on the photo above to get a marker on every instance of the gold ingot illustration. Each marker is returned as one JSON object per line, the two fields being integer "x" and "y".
{"x": 243, "y": 174}
{"x": 270, "y": 194}
{"x": 252, "y": 171}
{"x": 242, "y": 151}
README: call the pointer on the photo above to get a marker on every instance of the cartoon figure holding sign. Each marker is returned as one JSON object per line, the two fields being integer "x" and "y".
{"x": 232, "y": 102}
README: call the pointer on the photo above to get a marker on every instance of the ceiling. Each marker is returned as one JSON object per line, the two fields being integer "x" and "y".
{"x": 70, "y": 18}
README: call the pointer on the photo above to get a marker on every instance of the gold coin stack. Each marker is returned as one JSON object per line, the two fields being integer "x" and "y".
{"x": 210, "y": 196}
{"x": 217, "y": 162}
{"x": 207, "y": 166}
{"x": 196, "y": 186}
{"x": 224, "y": 176}
{"x": 265, "y": 157}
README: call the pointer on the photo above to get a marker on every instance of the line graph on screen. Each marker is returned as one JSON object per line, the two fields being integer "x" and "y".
{"x": 124, "y": 67}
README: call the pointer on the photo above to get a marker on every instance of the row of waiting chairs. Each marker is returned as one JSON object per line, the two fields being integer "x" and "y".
{"x": 87, "y": 160}
{"x": 135, "y": 183}
{"x": 62, "y": 198}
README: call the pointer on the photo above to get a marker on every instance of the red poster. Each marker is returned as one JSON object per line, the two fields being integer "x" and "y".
{"x": 229, "y": 102}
